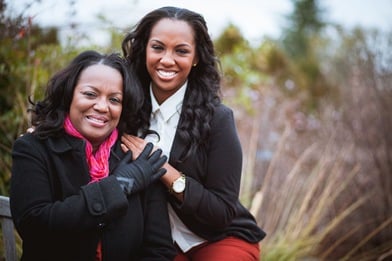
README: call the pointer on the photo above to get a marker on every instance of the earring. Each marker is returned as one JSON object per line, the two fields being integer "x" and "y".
{"x": 194, "y": 65}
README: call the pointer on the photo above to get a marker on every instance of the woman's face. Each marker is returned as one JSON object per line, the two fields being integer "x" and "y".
{"x": 97, "y": 103}
{"x": 170, "y": 55}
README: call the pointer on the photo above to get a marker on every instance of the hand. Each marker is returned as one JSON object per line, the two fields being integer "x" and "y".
{"x": 29, "y": 130}
{"x": 137, "y": 175}
{"x": 134, "y": 144}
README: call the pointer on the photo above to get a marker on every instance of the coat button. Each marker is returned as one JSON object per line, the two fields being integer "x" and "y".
{"x": 97, "y": 207}
{"x": 101, "y": 225}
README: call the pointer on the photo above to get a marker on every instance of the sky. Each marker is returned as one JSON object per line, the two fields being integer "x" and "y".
{"x": 255, "y": 18}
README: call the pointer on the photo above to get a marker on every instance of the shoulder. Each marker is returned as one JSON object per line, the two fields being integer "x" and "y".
{"x": 29, "y": 147}
{"x": 223, "y": 109}
{"x": 28, "y": 140}
{"x": 32, "y": 143}
{"x": 222, "y": 113}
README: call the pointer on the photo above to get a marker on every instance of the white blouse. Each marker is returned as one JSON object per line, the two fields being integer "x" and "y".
{"x": 164, "y": 120}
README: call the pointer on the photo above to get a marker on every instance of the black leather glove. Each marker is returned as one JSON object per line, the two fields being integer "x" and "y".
{"x": 136, "y": 175}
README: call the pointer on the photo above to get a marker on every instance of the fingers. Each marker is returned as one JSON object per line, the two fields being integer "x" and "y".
{"x": 126, "y": 137}
{"x": 159, "y": 163}
{"x": 124, "y": 148}
{"x": 128, "y": 156}
{"x": 155, "y": 155}
{"x": 132, "y": 140}
{"x": 147, "y": 150}
{"x": 136, "y": 145}
{"x": 158, "y": 174}
{"x": 128, "y": 142}
{"x": 133, "y": 143}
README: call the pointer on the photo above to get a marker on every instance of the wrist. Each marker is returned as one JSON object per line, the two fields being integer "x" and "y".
{"x": 178, "y": 185}
{"x": 126, "y": 184}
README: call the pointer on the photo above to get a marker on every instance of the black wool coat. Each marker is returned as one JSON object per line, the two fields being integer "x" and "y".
{"x": 60, "y": 216}
{"x": 211, "y": 206}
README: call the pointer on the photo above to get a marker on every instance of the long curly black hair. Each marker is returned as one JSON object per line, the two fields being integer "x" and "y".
{"x": 48, "y": 115}
{"x": 203, "y": 92}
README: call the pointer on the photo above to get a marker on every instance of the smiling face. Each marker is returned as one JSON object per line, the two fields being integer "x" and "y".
{"x": 170, "y": 55}
{"x": 97, "y": 103}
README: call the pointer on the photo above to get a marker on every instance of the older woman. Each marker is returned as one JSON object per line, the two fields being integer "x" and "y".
{"x": 74, "y": 195}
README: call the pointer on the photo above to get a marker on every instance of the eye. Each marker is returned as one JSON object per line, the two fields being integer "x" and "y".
{"x": 89, "y": 94}
{"x": 115, "y": 100}
{"x": 182, "y": 51}
{"x": 156, "y": 47}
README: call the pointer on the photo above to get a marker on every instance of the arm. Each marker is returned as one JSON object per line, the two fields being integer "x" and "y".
{"x": 48, "y": 196}
{"x": 213, "y": 177}
{"x": 212, "y": 202}
{"x": 136, "y": 145}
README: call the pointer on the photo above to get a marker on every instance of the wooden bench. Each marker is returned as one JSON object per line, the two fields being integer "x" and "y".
{"x": 7, "y": 227}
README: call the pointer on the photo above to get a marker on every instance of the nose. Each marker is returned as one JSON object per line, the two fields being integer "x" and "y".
{"x": 168, "y": 59}
{"x": 101, "y": 105}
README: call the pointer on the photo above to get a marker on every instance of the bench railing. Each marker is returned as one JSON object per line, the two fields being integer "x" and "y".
{"x": 7, "y": 227}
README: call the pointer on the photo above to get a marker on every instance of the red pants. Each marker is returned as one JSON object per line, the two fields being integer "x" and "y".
{"x": 228, "y": 249}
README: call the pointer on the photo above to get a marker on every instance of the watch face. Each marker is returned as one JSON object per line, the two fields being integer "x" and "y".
{"x": 179, "y": 185}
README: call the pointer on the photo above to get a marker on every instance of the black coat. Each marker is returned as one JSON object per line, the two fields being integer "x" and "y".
{"x": 211, "y": 208}
{"x": 60, "y": 216}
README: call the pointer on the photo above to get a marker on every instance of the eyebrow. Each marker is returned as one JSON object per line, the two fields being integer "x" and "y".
{"x": 179, "y": 45}
{"x": 96, "y": 89}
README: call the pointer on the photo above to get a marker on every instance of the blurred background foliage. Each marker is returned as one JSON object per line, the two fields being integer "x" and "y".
{"x": 313, "y": 112}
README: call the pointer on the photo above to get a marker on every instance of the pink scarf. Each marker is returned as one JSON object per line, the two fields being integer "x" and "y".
{"x": 99, "y": 162}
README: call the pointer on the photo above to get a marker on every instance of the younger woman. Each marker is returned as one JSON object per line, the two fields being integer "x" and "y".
{"x": 173, "y": 54}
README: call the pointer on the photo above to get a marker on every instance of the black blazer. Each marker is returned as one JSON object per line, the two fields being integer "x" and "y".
{"x": 211, "y": 207}
{"x": 60, "y": 216}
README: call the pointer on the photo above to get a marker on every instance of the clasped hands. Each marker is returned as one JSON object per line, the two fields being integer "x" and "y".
{"x": 136, "y": 175}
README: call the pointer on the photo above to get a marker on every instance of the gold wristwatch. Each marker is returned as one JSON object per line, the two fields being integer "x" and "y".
{"x": 178, "y": 186}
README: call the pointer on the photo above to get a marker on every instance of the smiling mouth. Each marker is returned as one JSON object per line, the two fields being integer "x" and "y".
{"x": 166, "y": 74}
{"x": 96, "y": 120}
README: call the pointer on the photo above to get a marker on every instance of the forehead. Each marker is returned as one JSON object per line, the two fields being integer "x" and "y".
{"x": 100, "y": 75}
{"x": 172, "y": 28}
{"x": 97, "y": 68}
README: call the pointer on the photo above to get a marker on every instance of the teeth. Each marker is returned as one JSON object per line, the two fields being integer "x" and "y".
{"x": 166, "y": 73}
{"x": 96, "y": 120}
